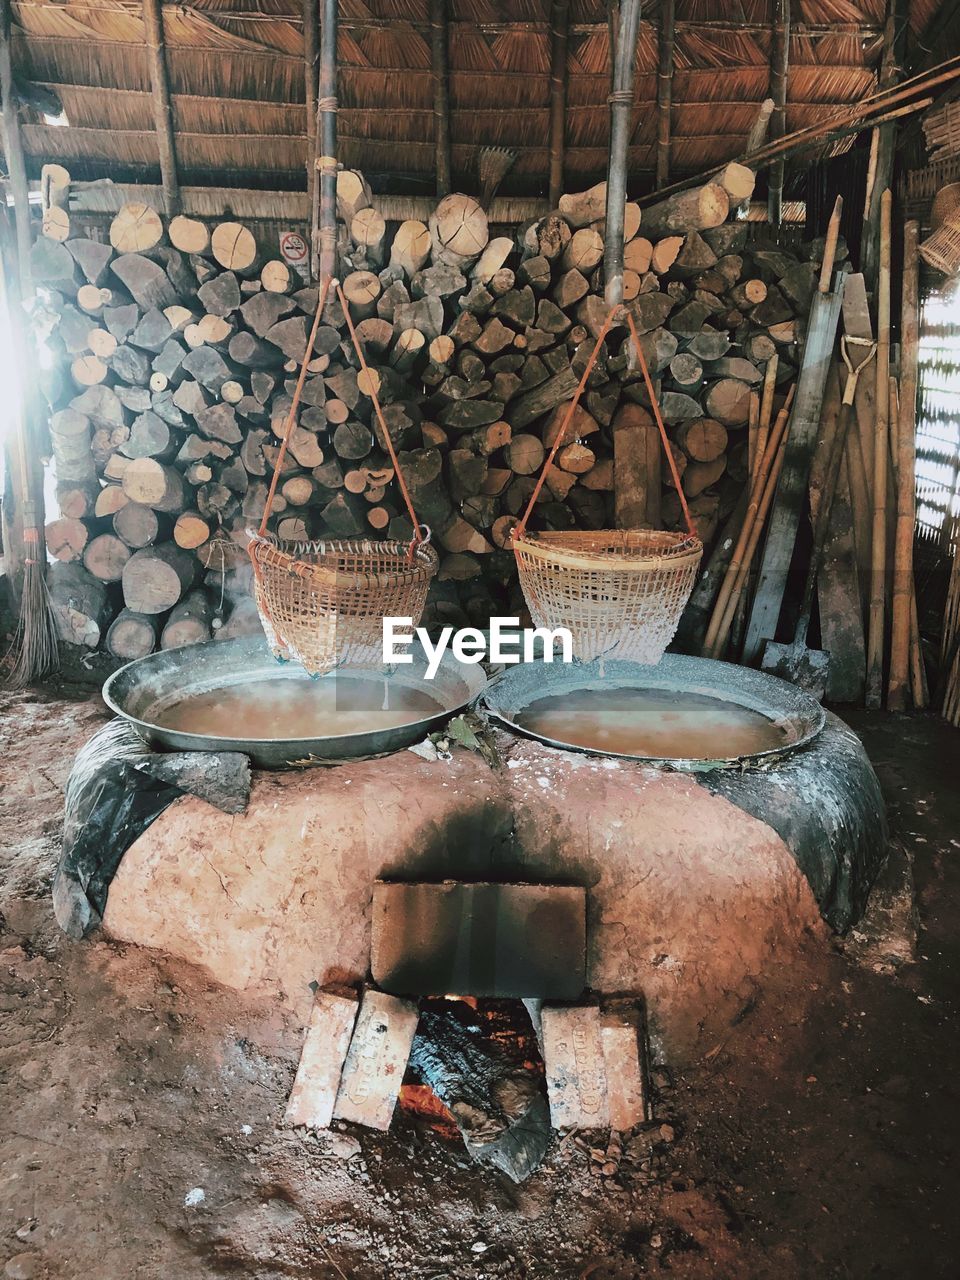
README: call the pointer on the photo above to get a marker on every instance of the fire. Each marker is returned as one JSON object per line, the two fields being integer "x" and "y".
{"x": 421, "y": 1101}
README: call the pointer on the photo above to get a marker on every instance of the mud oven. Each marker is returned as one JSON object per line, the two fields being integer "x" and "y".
{"x": 700, "y": 877}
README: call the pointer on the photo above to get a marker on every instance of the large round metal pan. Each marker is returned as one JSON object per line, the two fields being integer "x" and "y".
{"x": 509, "y": 695}
{"x": 143, "y": 689}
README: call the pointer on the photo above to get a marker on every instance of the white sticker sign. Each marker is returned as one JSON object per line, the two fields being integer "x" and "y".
{"x": 294, "y": 250}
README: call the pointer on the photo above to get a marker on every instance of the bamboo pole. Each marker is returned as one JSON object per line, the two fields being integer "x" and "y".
{"x": 779, "y": 67}
{"x": 766, "y": 402}
{"x": 22, "y": 505}
{"x": 898, "y": 688}
{"x": 621, "y": 110}
{"x": 762, "y": 488}
{"x": 559, "y": 27}
{"x": 862, "y": 115}
{"x": 13, "y": 150}
{"x": 918, "y": 674}
{"x": 756, "y": 448}
{"x": 325, "y": 246}
{"x": 665, "y": 42}
{"x": 871, "y": 172}
{"x": 310, "y": 54}
{"x": 882, "y": 177}
{"x": 162, "y": 109}
{"x": 764, "y": 420}
{"x": 439, "y": 36}
{"x": 878, "y": 566}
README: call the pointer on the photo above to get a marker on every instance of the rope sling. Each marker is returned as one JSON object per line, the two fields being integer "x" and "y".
{"x": 619, "y": 592}
{"x": 322, "y": 603}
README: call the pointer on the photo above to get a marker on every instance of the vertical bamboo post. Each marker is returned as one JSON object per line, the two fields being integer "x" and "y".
{"x": 22, "y": 484}
{"x": 664, "y": 91}
{"x": 13, "y": 497}
{"x": 310, "y": 36}
{"x": 878, "y": 565}
{"x": 441, "y": 92}
{"x": 13, "y": 150}
{"x": 162, "y": 109}
{"x": 621, "y": 108}
{"x": 559, "y": 28}
{"x": 325, "y": 240}
{"x": 882, "y": 155}
{"x": 898, "y": 688}
{"x": 779, "y": 67}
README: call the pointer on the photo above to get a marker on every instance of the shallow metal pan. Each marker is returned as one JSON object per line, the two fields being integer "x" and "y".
{"x": 509, "y": 695}
{"x": 144, "y": 688}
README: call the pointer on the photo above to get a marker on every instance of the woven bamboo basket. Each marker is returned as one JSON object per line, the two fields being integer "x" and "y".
{"x": 323, "y": 603}
{"x": 619, "y": 592}
{"x": 943, "y": 204}
{"x": 942, "y": 249}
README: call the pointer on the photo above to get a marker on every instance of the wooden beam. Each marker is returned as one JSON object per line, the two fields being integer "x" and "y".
{"x": 439, "y": 36}
{"x": 310, "y": 56}
{"x": 13, "y": 150}
{"x": 559, "y": 26}
{"x": 885, "y": 141}
{"x": 621, "y": 111}
{"x": 664, "y": 91}
{"x": 162, "y": 110}
{"x": 779, "y": 67}
{"x": 324, "y": 237}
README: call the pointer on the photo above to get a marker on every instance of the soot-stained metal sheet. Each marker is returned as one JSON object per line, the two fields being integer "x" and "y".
{"x": 482, "y": 939}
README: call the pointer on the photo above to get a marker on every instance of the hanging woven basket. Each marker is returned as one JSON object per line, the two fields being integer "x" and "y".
{"x": 322, "y": 603}
{"x": 620, "y": 592}
{"x": 942, "y": 249}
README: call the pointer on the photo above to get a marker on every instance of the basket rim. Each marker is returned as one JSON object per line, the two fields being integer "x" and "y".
{"x": 284, "y": 554}
{"x": 563, "y": 548}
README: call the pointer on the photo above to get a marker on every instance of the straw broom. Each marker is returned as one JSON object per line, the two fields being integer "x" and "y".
{"x": 493, "y": 165}
{"x": 34, "y": 652}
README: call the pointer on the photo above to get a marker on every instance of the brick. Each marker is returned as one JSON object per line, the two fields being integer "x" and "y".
{"x": 575, "y": 1069}
{"x": 376, "y": 1060}
{"x": 479, "y": 939}
{"x": 321, "y": 1061}
{"x": 622, "y": 1055}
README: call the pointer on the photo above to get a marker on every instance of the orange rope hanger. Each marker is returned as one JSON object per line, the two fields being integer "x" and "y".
{"x": 326, "y": 286}
{"x": 572, "y": 408}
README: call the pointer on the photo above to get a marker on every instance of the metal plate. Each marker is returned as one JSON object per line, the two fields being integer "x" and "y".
{"x": 144, "y": 688}
{"x": 479, "y": 939}
{"x": 509, "y": 695}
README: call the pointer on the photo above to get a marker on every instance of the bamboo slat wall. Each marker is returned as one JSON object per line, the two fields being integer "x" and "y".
{"x": 938, "y": 425}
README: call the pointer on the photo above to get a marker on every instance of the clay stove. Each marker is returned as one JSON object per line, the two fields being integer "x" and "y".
{"x": 700, "y": 881}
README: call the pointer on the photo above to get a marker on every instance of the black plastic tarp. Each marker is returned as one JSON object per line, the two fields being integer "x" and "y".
{"x": 118, "y": 786}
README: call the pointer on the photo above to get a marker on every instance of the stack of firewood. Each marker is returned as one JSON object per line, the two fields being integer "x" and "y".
{"x": 180, "y": 346}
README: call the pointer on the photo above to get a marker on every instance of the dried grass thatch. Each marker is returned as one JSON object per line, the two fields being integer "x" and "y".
{"x": 237, "y": 78}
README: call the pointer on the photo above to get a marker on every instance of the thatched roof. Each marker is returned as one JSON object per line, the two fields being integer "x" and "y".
{"x": 237, "y": 76}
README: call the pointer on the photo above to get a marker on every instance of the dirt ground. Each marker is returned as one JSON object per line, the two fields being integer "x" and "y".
{"x": 140, "y": 1103}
